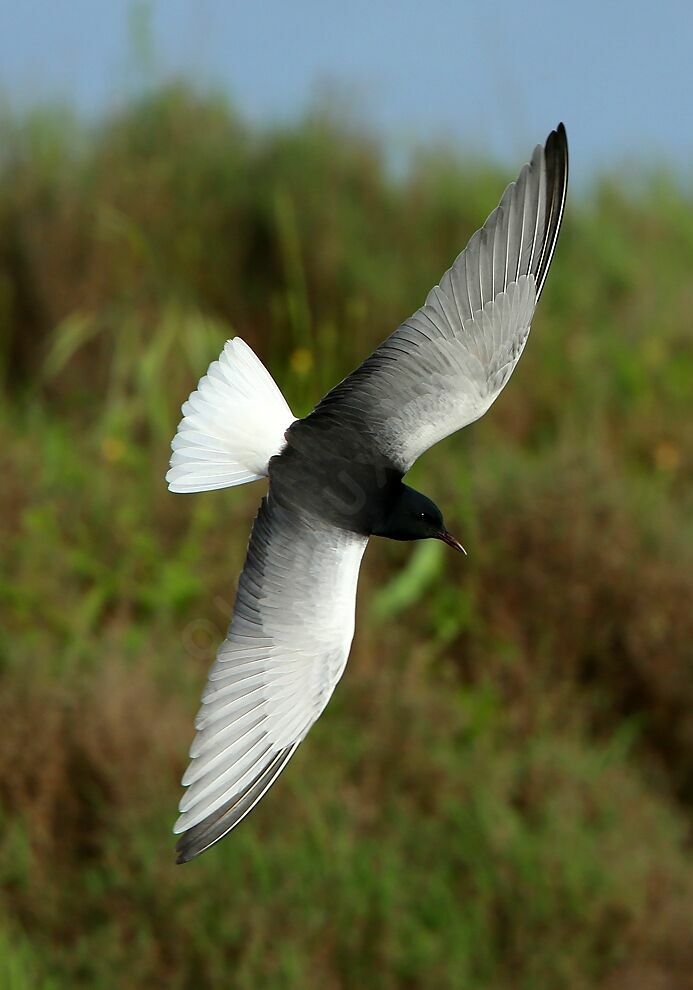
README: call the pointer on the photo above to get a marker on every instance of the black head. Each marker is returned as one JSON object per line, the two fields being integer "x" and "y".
{"x": 413, "y": 516}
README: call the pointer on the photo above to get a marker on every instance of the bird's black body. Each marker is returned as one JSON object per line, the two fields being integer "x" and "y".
{"x": 327, "y": 470}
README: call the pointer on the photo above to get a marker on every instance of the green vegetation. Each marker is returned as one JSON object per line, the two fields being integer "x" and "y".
{"x": 498, "y": 795}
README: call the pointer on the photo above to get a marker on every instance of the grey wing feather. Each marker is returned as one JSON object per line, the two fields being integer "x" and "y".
{"x": 443, "y": 367}
{"x": 213, "y": 828}
{"x": 285, "y": 651}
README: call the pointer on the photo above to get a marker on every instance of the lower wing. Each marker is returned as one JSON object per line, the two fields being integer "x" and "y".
{"x": 285, "y": 651}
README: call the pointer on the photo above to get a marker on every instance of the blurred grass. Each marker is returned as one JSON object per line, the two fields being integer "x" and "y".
{"x": 499, "y": 794}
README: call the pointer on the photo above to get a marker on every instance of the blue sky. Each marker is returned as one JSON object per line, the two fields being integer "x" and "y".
{"x": 487, "y": 75}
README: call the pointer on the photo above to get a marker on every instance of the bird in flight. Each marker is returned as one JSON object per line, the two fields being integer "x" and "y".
{"x": 335, "y": 480}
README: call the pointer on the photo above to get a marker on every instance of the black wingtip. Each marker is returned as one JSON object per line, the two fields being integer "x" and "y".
{"x": 556, "y": 155}
{"x": 185, "y": 850}
{"x": 557, "y": 140}
{"x": 212, "y": 829}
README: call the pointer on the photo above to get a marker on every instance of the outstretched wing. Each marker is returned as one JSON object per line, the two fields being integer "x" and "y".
{"x": 286, "y": 648}
{"x": 443, "y": 367}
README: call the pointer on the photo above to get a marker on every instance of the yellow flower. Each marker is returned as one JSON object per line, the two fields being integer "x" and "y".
{"x": 301, "y": 361}
{"x": 112, "y": 449}
{"x": 667, "y": 456}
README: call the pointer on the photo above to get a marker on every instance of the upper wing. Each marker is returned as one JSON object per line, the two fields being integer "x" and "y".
{"x": 284, "y": 652}
{"x": 443, "y": 367}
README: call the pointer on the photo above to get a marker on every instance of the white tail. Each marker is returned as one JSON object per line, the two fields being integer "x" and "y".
{"x": 232, "y": 424}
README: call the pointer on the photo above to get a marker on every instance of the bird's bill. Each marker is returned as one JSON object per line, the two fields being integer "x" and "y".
{"x": 452, "y": 542}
